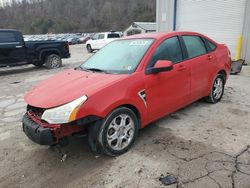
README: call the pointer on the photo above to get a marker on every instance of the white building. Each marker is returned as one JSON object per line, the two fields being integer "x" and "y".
{"x": 224, "y": 21}
{"x": 140, "y": 27}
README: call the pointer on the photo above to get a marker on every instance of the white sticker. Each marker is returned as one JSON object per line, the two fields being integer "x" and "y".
{"x": 138, "y": 43}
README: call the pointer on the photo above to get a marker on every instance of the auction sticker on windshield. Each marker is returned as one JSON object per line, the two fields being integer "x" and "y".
{"x": 139, "y": 43}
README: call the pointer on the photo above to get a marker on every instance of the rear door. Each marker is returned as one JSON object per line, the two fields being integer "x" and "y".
{"x": 203, "y": 63}
{"x": 168, "y": 91}
{"x": 11, "y": 48}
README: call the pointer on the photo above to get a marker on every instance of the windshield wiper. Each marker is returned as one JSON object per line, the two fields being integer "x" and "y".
{"x": 79, "y": 68}
{"x": 97, "y": 70}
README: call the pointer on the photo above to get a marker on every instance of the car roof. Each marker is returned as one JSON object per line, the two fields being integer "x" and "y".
{"x": 160, "y": 35}
{"x": 109, "y": 32}
{"x": 8, "y": 30}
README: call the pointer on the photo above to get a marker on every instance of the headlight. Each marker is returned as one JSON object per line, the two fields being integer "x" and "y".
{"x": 65, "y": 113}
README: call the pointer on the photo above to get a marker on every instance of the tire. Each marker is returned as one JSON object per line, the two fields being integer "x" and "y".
{"x": 90, "y": 50}
{"x": 217, "y": 90}
{"x": 53, "y": 61}
{"x": 116, "y": 142}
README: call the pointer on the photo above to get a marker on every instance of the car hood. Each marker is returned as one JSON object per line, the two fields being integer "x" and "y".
{"x": 68, "y": 86}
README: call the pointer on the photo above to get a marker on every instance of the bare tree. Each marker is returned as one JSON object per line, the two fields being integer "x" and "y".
{"x": 42, "y": 16}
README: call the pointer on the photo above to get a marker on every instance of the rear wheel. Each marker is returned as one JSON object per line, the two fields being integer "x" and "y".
{"x": 217, "y": 90}
{"x": 53, "y": 61}
{"x": 118, "y": 131}
{"x": 90, "y": 50}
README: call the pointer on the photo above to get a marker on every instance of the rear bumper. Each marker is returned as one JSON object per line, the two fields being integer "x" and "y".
{"x": 36, "y": 133}
{"x": 68, "y": 55}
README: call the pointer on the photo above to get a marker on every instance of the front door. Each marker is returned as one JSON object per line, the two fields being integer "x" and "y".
{"x": 168, "y": 91}
{"x": 101, "y": 41}
{"x": 94, "y": 41}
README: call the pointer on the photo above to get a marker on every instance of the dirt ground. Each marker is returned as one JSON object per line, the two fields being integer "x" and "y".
{"x": 203, "y": 145}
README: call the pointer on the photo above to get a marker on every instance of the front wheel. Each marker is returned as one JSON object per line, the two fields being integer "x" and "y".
{"x": 118, "y": 131}
{"x": 90, "y": 50}
{"x": 217, "y": 90}
{"x": 53, "y": 61}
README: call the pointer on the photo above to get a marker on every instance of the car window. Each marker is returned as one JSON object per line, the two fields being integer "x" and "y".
{"x": 101, "y": 36}
{"x": 168, "y": 50}
{"x": 96, "y": 36}
{"x": 6, "y": 37}
{"x": 211, "y": 46}
{"x": 113, "y": 35}
{"x": 195, "y": 46}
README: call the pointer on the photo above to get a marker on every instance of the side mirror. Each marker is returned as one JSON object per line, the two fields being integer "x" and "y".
{"x": 160, "y": 66}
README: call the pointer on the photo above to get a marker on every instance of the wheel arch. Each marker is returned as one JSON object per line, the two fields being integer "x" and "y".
{"x": 224, "y": 74}
{"x": 45, "y": 53}
{"x": 134, "y": 108}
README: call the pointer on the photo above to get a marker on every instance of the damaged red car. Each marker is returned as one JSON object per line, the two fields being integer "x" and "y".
{"x": 125, "y": 86}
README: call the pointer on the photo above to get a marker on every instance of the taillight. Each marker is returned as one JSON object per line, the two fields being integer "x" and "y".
{"x": 229, "y": 53}
{"x": 67, "y": 46}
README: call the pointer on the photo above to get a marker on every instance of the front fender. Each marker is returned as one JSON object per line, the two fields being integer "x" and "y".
{"x": 102, "y": 110}
{"x": 122, "y": 93}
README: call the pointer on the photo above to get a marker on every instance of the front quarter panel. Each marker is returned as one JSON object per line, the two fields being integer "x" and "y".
{"x": 124, "y": 92}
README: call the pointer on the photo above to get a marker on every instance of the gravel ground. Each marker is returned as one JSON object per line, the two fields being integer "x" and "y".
{"x": 202, "y": 145}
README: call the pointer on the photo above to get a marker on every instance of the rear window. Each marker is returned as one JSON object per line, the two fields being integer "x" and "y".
{"x": 7, "y": 37}
{"x": 195, "y": 46}
{"x": 113, "y": 35}
{"x": 211, "y": 46}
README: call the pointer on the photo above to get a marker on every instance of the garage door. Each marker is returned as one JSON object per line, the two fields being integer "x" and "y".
{"x": 220, "y": 20}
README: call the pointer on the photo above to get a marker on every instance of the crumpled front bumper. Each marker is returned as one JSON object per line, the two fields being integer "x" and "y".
{"x": 47, "y": 134}
{"x": 36, "y": 133}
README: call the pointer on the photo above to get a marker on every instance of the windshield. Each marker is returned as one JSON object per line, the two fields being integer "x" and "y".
{"x": 118, "y": 57}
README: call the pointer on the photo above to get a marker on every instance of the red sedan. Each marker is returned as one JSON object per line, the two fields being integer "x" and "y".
{"x": 125, "y": 86}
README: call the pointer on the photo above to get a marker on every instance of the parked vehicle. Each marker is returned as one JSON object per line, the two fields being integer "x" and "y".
{"x": 84, "y": 39}
{"x": 15, "y": 51}
{"x": 73, "y": 40}
{"x": 125, "y": 86}
{"x": 99, "y": 40}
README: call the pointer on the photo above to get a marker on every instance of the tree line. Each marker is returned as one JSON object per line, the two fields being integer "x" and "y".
{"x": 64, "y": 16}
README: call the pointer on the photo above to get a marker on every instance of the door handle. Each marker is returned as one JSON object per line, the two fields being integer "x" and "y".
{"x": 181, "y": 68}
{"x": 209, "y": 57}
{"x": 18, "y": 46}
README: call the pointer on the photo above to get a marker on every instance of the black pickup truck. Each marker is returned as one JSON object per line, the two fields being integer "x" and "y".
{"x": 15, "y": 51}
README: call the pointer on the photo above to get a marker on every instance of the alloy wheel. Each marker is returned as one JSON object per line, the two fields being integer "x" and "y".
{"x": 120, "y": 132}
{"x": 218, "y": 88}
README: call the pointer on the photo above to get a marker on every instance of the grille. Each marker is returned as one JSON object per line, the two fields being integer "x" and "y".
{"x": 36, "y": 111}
